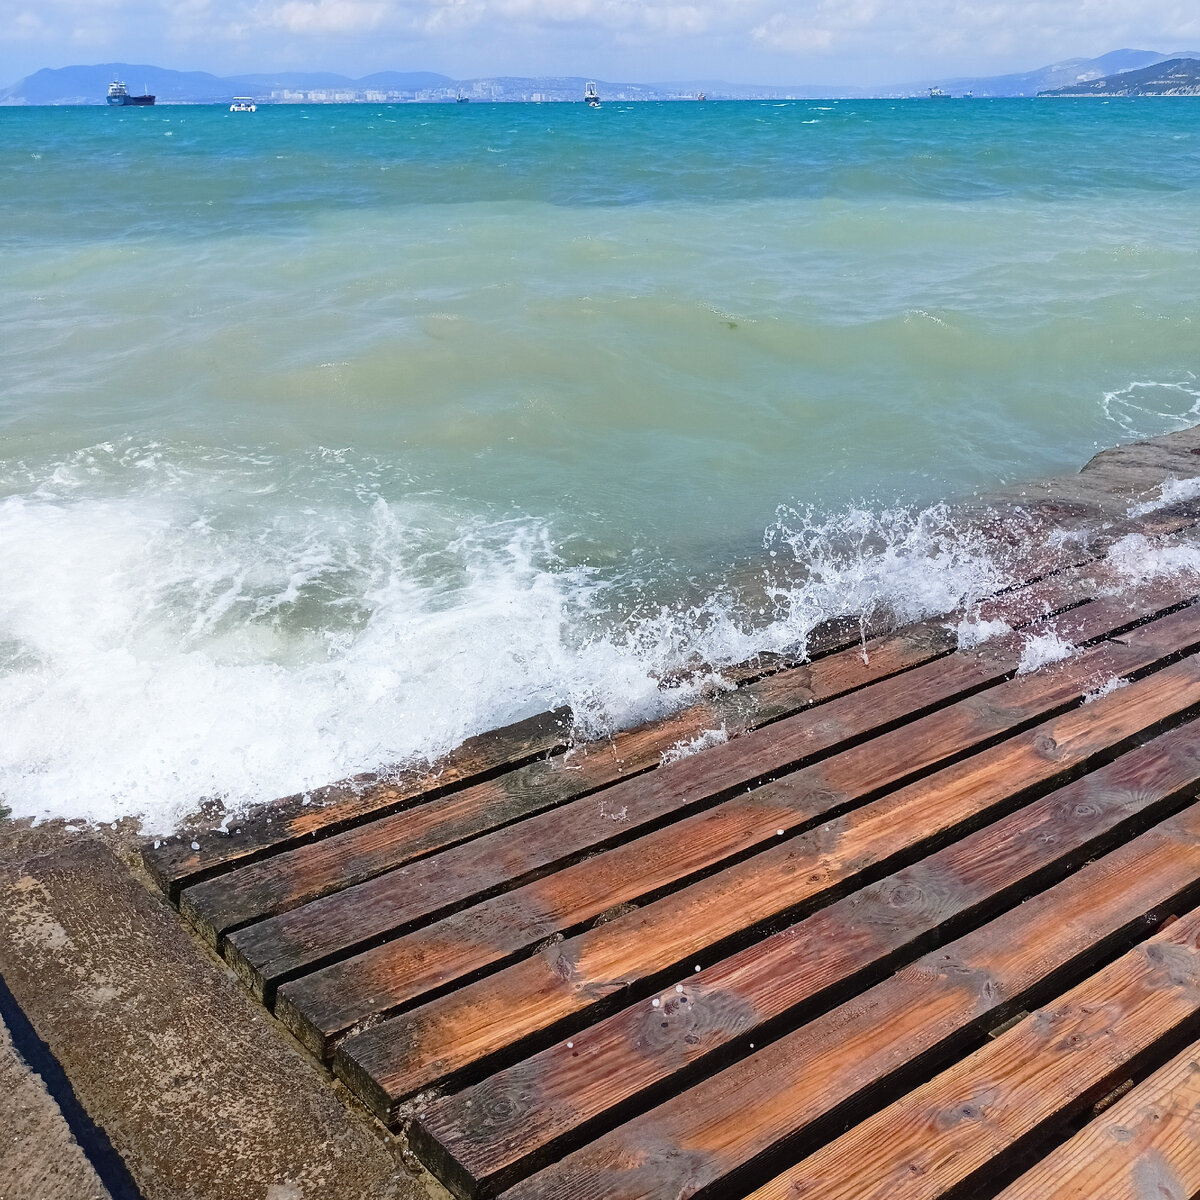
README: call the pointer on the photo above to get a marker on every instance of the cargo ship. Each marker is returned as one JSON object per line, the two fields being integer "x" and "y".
{"x": 117, "y": 94}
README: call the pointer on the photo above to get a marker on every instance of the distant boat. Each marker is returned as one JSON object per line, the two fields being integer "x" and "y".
{"x": 591, "y": 95}
{"x": 461, "y": 99}
{"x": 243, "y": 104}
{"x": 701, "y": 96}
{"x": 938, "y": 94}
{"x": 117, "y": 94}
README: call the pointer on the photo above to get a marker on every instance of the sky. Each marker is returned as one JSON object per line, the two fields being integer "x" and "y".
{"x": 856, "y": 42}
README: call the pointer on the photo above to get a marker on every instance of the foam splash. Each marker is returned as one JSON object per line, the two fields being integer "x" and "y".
{"x": 974, "y": 632}
{"x": 1173, "y": 491}
{"x": 1041, "y": 649}
{"x": 903, "y": 562}
{"x": 690, "y": 746}
{"x": 1149, "y": 407}
{"x": 1137, "y": 560}
{"x": 179, "y": 625}
{"x": 1115, "y": 684}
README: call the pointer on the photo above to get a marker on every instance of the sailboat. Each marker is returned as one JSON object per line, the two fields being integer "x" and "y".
{"x": 592, "y": 95}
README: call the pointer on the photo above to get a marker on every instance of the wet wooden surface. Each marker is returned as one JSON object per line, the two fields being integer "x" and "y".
{"x": 894, "y": 932}
{"x": 1144, "y": 1146}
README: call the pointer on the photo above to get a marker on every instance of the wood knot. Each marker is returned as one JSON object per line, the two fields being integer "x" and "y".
{"x": 1045, "y": 745}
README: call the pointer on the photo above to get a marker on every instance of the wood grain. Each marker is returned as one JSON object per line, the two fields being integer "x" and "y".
{"x": 952, "y": 1130}
{"x": 1145, "y": 1147}
{"x": 493, "y": 1133}
{"x": 795, "y": 1093}
{"x": 175, "y": 862}
{"x": 461, "y": 1031}
{"x": 290, "y": 878}
{"x": 324, "y": 1005}
{"x": 287, "y": 879}
{"x": 350, "y": 920}
{"x": 1069, "y": 576}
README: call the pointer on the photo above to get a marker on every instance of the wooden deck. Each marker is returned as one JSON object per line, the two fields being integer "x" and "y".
{"x": 925, "y": 925}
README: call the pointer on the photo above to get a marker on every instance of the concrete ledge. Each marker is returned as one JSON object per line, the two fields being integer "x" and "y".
{"x": 196, "y": 1088}
{"x": 39, "y": 1157}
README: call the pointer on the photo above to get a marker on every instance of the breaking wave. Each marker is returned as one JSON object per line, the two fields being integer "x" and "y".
{"x": 179, "y": 624}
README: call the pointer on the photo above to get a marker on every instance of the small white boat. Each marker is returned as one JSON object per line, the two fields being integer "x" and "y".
{"x": 243, "y": 104}
{"x": 592, "y": 95}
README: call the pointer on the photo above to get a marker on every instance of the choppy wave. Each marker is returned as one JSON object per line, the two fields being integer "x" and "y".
{"x": 244, "y": 624}
{"x": 562, "y": 389}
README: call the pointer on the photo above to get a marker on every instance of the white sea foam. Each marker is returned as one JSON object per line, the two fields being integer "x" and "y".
{"x": 1106, "y": 689}
{"x": 690, "y": 746}
{"x": 1138, "y": 560}
{"x": 1042, "y": 649}
{"x": 1173, "y": 491}
{"x": 1148, "y": 407}
{"x": 179, "y": 626}
{"x": 973, "y": 632}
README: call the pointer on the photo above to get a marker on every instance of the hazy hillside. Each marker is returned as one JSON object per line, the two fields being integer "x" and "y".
{"x": 388, "y": 81}
{"x": 1176, "y": 77}
{"x": 89, "y": 84}
{"x": 1069, "y": 72}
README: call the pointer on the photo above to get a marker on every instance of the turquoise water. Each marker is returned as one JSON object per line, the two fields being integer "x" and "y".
{"x": 330, "y": 435}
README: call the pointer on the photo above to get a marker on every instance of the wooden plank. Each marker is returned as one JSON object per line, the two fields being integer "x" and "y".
{"x": 488, "y": 1136}
{"x": 1145, "y": 1146}
{"x": 324, "y": 1005}
{"x": 954, "y": 1130}
{"x": 175, "y": 864}
{"x": 348, "y": 921}
{"x": 460, "y": 1032}
{"x": 799, "y": 1091}
{"x": 288, "y": 879}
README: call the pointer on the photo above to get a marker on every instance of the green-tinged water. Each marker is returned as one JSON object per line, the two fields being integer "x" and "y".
{"x": 329, "y": 435}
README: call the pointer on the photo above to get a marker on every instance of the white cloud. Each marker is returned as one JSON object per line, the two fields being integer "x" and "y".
{"x": 25, "y": 26}
{"x": 751, "y": 40}
{"x": 327, "y": 16}
{"x": 792, "y": 36}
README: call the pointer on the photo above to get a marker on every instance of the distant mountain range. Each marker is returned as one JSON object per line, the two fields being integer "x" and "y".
{"x": 1176, "y": 77}
{"x": 89, "y": 84}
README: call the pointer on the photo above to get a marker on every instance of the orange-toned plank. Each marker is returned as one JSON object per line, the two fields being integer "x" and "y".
{"x": 948, "y": 1133}
{"x": 175, "y": 862}
{"x": 290, "y": 878}
{"x": 493, "y": 1133}
{"x": 292, "y": 820}
{"x": 300, "y": 819}
{"x": 797, "y": 1092}
{"x": 345, "y": 922}
{"x": 461, "y": 1031}
{"x": 324, "y": 1005}
{"x": 1145, "y": 1147}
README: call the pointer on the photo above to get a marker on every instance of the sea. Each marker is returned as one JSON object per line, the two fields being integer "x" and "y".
{"x": 332, "y": 435}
